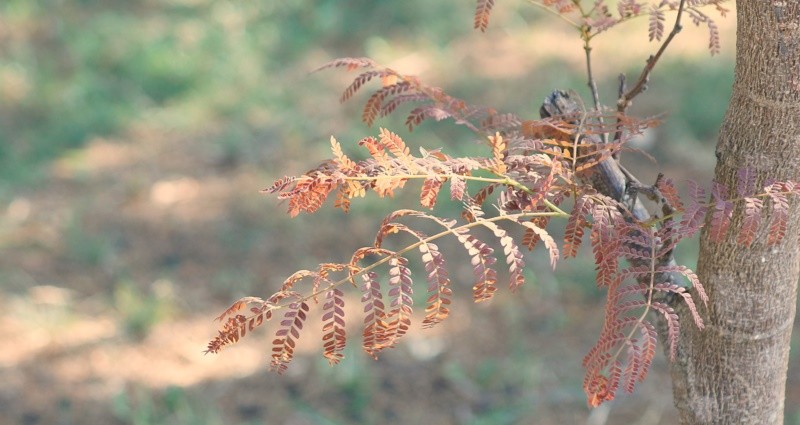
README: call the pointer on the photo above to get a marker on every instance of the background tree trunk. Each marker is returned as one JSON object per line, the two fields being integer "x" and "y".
{"x": 734, "y": 371}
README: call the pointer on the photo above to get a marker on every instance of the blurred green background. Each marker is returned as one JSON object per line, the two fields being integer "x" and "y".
{"x": 136, "y": 134}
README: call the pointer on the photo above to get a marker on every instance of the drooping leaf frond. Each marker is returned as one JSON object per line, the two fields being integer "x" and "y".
{"x": 334, "y": 336}
{"x": 398, "y": 89}
{"x": 286, "y": 337}
{"x": 528, "y": 168}
{"x": 695, "y": 213}
{"x": 439, "y": 291}
{"x": 482, "y": 261}
{"x": 575, "y": 225}
{"x": 430, "y": 190}
{"x": 401, "y": 301}
{"x": 670, "y": 193}
{"x": 482, "y": 12}
{"x": 780, "y": 210}
{"x": 751, "y": 221}
{"x": 540, "y": 234}
{"x": 723, "y": 210}
{"x": 374, "y": 314}
{"x": 656, "y": 26}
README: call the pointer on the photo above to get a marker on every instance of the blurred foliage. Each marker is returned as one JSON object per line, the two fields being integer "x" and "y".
{"x": 140, "y": 310}
{"x": 140, "y": 406}
{"x": 74, "y": 70}
{"x": 700, "y": 102}
{"x": 83, "y": 245}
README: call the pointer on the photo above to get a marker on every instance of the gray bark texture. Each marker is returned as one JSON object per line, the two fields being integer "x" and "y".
{"x": 734, "y": 370}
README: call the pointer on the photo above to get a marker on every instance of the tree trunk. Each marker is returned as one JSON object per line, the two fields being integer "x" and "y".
{"x": 734, "y": 371}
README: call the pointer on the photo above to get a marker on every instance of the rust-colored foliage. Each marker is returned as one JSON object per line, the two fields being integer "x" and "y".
{"x": 237, "y": 325}
{"x": 626, "y": 327}
{"x": 334, "y": 335}
{"x": 576, "y": 223}
{"x": 398, "y": 318}
{"x": 430, "y": 190}
{"x": 439, "y": 291}
{"x": 537, "y": 233}
{"x": 695, "y": 213}
{"x": 598, "y": 17}
{"x": 482, "y": 12}
{"x": 778, "y": 192}
{"x": 374, "y": 313}
{"x": 482, "y": 261}
{"x": 537, "y": 163}
{"x": 529, "y": 168}
{"x": 670, "y": 194}
{"x": 287, "y": 335}
{"x": 656, "y": 25}
{"x": 723, "y": 210}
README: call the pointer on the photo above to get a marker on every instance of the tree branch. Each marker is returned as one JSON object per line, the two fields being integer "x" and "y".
{"x": 626, "y": 98}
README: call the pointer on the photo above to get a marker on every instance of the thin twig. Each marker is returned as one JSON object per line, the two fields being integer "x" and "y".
{"x": 592, "y": 83}
{"x": 625, "y": 100}
{"x": 587, "y": 47}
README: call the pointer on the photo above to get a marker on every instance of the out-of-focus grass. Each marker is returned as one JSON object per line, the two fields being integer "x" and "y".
{"x": 140, "y": 406}
{"x": 139, "y": 310}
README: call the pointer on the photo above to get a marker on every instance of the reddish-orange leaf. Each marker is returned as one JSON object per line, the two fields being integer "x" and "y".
{"x": 430, "y": 189}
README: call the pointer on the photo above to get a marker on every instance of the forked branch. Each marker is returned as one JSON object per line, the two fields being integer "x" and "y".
{"x": 625, "y": 100}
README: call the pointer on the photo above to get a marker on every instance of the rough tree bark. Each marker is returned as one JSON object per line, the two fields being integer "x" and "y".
{"x": 734, "y": 371}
